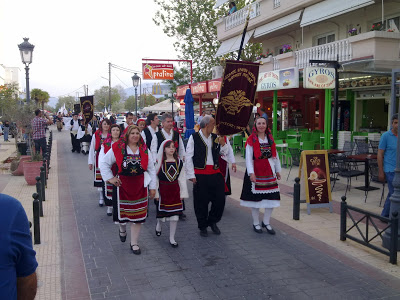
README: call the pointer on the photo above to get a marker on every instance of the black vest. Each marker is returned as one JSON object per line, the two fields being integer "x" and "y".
{"x": 201, "y": 151}
{"x": 72, "y": 123}
{"x": 161, "y": 138}
{"x": 149, "y": 137}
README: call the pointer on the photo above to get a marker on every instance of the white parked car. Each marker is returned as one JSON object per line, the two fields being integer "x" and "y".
{"x": 120, "y": 120}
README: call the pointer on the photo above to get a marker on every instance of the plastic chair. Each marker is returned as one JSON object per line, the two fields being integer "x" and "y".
{"x": 308, "y": 145}
{"x": 293, "y": 144}
{"x": 243, "y": 148}
{"x": 305, "y": 136}
{"x": 237, "y": 142}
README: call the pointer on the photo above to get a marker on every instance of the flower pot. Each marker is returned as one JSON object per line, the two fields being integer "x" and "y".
{"x": 31, "y": 171}
{"x": 20, "y": 170}
{"x": 22, "y": 147}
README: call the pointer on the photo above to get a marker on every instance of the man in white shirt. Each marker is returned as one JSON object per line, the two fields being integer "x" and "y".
{"x": 167, "y": 133}
{"x": 75, "y": 124}
{"x": 202, "y": 168}
{"x": 148, "y": 133}
{"x": 129, "y": 121}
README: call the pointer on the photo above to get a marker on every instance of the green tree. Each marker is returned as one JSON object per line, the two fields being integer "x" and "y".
{"x": 41, "y": 97}
{"x": 130, "y": 103}
{"x": 69, "y": 102}
{"x": 192, "y": 24}
{"x": 101, "y": 97}
{"x": 181, "y": 77}
{"x": 8, "y": 98}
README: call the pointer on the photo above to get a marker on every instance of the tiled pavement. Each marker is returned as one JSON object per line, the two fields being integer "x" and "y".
{"x": 305, "y": 260}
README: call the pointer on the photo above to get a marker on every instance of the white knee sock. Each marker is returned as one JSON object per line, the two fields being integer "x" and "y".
{"x": 172, "y": 230}
{"x": 109, "y": 209}
{"x": 267, "y": 215}
{"x": 135, "y": 231}
{"x": 101, "y": 199}
{"x": 158, "y": 225}
{"x": 122, "y": 229}
{"x": 255, "y": 212}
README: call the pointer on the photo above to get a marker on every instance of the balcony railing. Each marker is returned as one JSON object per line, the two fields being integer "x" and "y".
{"x": 240, "y": 16}
{"x": 277, "y": 3}
{"x": 329, "y": 51}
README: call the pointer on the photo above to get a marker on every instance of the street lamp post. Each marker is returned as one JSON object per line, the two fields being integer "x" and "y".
{"x": 26, "y": 50}
{"x": 172, "y": 103}
{"x": 136, "y": 81}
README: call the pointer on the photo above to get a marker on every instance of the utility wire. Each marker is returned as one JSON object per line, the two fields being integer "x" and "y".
{"x": 125, "y": 69}
{"x": 121, "y": 80}
{"x": 72, "y": 91}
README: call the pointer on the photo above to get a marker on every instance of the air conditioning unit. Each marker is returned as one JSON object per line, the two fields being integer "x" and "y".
{"x": 217, "y": 72}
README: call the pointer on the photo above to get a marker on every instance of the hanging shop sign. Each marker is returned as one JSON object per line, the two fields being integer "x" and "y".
{"x": 181, "y": 90}
{"x": 278, "y": 80}
{"x": 315, "y": 177}
{"x": 214, "y": 85}
{"x": 319, "y": 78}
{"x": 236, "y": 99}
{"x": 158, "y": 71}
{"x": 199, "y": 88}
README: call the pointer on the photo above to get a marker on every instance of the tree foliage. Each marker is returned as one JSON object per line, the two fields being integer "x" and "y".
{"x": 181, "y": 77}
{"x": 69, "y": 102}
{"x": 101, "y": 97}
{"x": 41, "y": 97}
{"x": 192, "y": 24}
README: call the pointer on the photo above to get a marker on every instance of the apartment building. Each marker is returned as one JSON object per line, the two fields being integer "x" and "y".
{"x": 362, "y": 35}
{"x": 12, "y": 75}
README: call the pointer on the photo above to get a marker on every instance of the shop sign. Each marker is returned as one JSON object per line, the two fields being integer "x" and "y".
{"x": 182, "y": 102}
{"x": 199, "y": 88}
{"x": 319, "y": 78}
{"x": 278, "y": 80}
{"x": 158, "y": 71}
{"x": 214, "y": 85}
{"x": 314, "y": 165}
{"x": 181, "y": 90}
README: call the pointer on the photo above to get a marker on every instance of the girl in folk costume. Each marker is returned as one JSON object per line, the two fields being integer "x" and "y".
{"x": 135, "y": 172}
{"x": 97, "y": 140}
{"x": 141, "y": 123}
{"x": 260, "y": 186}
{"x": 172, "y": 188}
{"x": 105, "y": 147}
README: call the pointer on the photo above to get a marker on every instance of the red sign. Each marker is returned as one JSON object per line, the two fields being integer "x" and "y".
{"x": 199, "y": 88}
{"x": 214, "y": 85}
{"x": 158, "y": 71}
{"x": 181, "y": 90}
{"x": 316, "y": 175}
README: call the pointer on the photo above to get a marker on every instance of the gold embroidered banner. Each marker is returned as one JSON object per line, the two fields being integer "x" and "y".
{"x": 87, "y": 108}
{"x": 236, "y": 99}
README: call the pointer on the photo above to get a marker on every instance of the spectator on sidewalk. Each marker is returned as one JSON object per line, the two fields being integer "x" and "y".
{"x": 264, "y": 114}
{"x": 387, "y": 160}
{"x": 201, "y": 117}
{"x": 6, "y": 130}
{"x": 17, "y": 258}
{"x": 39, "y": 131}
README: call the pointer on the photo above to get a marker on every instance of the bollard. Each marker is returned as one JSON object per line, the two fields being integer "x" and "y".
{"x": 343, "y": 218}
{"x": 394, "y": 223}
{"x": 296, "y": 199}
{"x": 43, "y": 183}
{"x": 48, "y": 164}
{"x": 45, "y": 167}
{"x": 39, "y": 192}
{"x": 36, "y": 219}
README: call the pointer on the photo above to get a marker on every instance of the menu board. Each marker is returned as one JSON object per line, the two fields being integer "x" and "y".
{"x": 315, "y": 179}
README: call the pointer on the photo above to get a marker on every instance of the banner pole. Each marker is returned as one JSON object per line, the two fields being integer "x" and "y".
{"x": 244, "y": 34}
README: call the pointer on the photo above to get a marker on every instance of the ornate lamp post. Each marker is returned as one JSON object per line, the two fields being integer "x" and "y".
{"x": 136, "y": 81}
{"x": 26, "y": 50}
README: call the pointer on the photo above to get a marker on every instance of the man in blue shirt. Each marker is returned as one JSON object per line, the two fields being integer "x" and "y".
{"x": 387, "y": 160}
{"x": 17, "y": 257}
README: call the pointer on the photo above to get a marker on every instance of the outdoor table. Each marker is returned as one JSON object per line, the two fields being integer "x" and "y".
{"x": 297, "y": 136}
{"x": 335, "y": 151}
{"x": 365, "y": 158}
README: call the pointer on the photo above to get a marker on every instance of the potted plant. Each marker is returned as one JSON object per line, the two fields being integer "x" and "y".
{"x": 32, "y": 167}
{"x": 287, "y": 48}
{"x": 353, "y": 32}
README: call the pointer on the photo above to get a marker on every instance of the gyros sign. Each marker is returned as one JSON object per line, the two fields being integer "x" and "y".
{"x": 319, "y": 78}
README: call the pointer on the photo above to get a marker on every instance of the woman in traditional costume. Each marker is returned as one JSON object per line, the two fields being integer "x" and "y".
{"x": 141, "y": 123}
{"x": 105, "y": 147}
{"x": 260, "y": 186}
{"x": 97, "y": 140}
{"x": 172, "y": 188}
{"x": 135, "y": 172}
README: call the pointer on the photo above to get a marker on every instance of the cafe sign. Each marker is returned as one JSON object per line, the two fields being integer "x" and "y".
{"x": 199, "y": 88}
{"x": 315, "y": 177}
{"x": 214, "y": 85}
{"x": 278, "y": 80}
{"x": 319, "y": 78}
{"x": 181, "y": 90}
{"x": 158, "y": 71}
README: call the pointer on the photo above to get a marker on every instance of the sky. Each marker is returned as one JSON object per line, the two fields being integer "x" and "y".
{"x": 75, "y": 40}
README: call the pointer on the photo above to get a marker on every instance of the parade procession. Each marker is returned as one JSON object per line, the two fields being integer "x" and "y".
{"x": 223, "y": 150}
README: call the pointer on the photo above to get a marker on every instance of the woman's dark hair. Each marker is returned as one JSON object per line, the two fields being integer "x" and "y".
{"x": 104, "y": 120}
{"x": 167, "y": 144}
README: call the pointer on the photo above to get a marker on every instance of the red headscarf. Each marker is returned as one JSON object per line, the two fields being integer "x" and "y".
{"x": 253, "y": 141}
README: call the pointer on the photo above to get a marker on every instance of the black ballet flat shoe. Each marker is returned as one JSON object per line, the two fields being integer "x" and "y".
{"x": 215, "y": 229}
{"x": 137, "y": 251}
{"x": 158, "y": 233}
{"x": 257, "y": 230}
{"x": 270, "y": 231}
{"x": 109, "y": 214}
{"x": 122, "y": 237}
{"x": 182, "y": 217}
{"x": 174, "y": 245}
{"x": 73, "y": 150}
{"x": 101, "y": 204}
{"x": 204, "y": 232}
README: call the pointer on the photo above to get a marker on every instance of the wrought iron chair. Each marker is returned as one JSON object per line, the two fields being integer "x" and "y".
{"x": 374, "y": 176}
{"x": 374, "y": 146}
{"x": 295, "y": 155}
{"x": 346, "y": 171}
{"x": 362, "y": 147}
{"x": 333, "y": 169}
